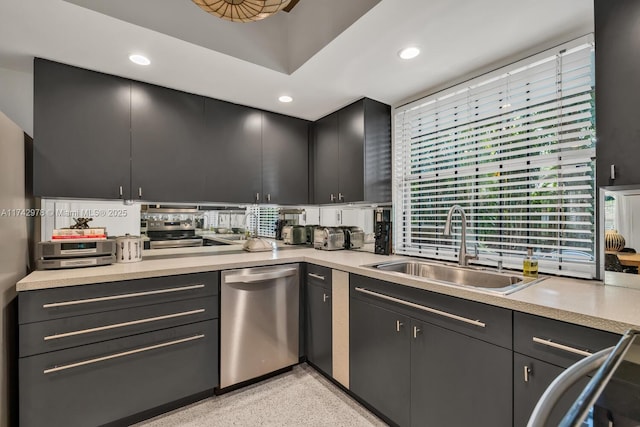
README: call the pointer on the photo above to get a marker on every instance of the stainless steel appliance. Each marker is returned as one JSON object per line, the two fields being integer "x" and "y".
{"x": 294, "y": 234}
{"x": 172, "y": 234}
{"x": 328, "y": 238}
{"x": 128, "y": 248}
{"x": 72, "y": 254}
{"x": 353, "y": 237}
{"x": 259, "y": 318}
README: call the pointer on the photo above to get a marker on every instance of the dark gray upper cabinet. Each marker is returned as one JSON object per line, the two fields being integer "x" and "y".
{"x": 352, "y": 154}
{"x": 617, "y": 91}
{"x": 167, "y": 141}
{"x": 285, "y": 159}
{"x": 326, "y": 158}
{"x": 134, "y": 140}
{"x": 81, "y": 133}
{"x": 233, "y": 152}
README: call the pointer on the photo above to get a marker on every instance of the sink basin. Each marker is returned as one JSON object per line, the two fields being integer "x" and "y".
{"x": 460, "y": 276}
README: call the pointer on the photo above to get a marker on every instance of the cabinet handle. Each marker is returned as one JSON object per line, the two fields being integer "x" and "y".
{"x": 566, "y": 348}
{"x": 122, "y": 296}
{"x": 340, "y": 197}
{"x": 422, "y": 307}
{"x": 527, "y": 371}
{"x": 416, "y": 331}
{"x": 268, "y": 197}
{"x": 399, "y": 324}
{"x": 317, "y": 276}
{"x": 121, "y": 193}
{"x": 333, "y": 198}
{"x": 613, "y": 171}
{"x": 257, "y": 197}
{"x": 124, "y": 353}
{"x": 140, "y": 192}
{"x": 325, "y": 297}
{"x": 123, "y": 324}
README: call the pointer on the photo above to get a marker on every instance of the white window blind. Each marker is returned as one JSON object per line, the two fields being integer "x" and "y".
{"x": 266, "y": 217}
{"x": 516, "y": 150}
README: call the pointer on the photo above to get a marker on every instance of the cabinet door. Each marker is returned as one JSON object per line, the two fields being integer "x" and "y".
{"x": 617, "y": 91}
{"x": 285, "y": 159}
{"x": 351, "y": 157}
{"x": 100, "y": 383}
{"x": 319, "y": 324}
{"x": 326, "y": 157}
{"x": 529, "y": 386}
{"x": 81, "y": 133}
{"x": 233, "y": 152}
{"x": 379, "y": 359}
{"x": 167, "y": 144}
{"x": 457, "y": 380}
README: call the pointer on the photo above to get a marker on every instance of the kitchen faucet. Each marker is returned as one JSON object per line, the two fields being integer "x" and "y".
{"x": 463, "y": 256}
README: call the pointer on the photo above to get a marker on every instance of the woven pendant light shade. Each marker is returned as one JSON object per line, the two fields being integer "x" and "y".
{"x": 242, "y": 10}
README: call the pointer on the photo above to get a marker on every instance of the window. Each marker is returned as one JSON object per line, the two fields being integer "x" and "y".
{"x": 515, "y": 149}
{"x": 266, "y": 217}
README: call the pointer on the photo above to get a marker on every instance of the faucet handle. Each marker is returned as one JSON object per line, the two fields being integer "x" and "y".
{"x": 475, "y": 251}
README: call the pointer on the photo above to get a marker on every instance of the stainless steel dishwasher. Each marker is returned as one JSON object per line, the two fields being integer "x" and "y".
{"x": 259, "y": 321}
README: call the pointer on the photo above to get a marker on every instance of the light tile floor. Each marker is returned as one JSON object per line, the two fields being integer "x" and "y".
{"x": 301, "y": 397}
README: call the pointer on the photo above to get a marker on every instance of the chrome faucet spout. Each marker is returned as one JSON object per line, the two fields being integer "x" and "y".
{"x": 463, "y": 256}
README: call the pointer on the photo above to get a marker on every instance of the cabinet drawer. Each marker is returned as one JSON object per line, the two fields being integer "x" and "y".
{"x": 35, "y": 306}
{"x": 319, "y": 275}
{"x": 557, "y": 342}
{"x": 58, "y": 334}
{"x": 104, "y": 382}
{"x": 482, "y": 321}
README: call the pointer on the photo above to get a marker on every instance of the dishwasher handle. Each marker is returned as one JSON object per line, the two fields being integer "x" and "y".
{"x": 260, "y": 277}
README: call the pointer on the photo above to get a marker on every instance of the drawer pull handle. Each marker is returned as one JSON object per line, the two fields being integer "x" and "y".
{"x": 423, "y": 308}
{"x": 317, "y": 276}
{"x": 122, "y": 325}
{"x": 124, "y": 353}
{"x": 550, "y": 343}
{"x": 123, "y": 296}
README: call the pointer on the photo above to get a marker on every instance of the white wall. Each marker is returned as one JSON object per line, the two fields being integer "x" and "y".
{"x": 16, "y": 98}
{"x": 13, "y": 235}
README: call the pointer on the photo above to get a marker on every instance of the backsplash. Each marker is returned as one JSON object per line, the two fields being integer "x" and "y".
{"x": 120, "y": 218}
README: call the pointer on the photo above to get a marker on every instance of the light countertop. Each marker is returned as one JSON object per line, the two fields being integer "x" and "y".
{"x": 587, "y": 303}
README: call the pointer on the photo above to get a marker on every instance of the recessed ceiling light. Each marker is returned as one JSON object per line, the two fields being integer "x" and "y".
{"x": 139, "y": 59}
{"x": 285, "y": 98}
{"x": 409, "y": 53}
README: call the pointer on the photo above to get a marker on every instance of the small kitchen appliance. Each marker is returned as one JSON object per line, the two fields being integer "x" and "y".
{"x": 353, "y": 237}
{"x": 294, "y": 235}
{"x": 172, "y": 234}
{"x": 128, "y": 248}
{"x": 72, "y": 254}
{"x": 328, "y": 238}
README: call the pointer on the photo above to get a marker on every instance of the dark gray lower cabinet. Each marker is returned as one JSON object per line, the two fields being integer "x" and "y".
{"x": 457, "y": 380}
{"x": 318, "y": 331}
{"x": 419, "y": 372}
{"x": 98, "y": 353}
{"x": 528, "y": 388}
{"x": 104, "y": 382}
{"x": 380, "y": 359}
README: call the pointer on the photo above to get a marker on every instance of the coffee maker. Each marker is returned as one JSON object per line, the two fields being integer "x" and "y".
{"x": 382, "y": 230}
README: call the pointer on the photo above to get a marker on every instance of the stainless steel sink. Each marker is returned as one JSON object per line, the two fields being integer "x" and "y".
{"x": 460, "y": 276}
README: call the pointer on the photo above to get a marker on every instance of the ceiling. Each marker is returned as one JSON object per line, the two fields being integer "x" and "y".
{"x": 325, "y": 53}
